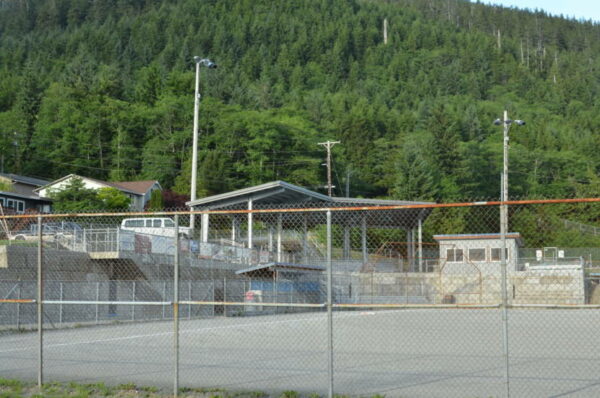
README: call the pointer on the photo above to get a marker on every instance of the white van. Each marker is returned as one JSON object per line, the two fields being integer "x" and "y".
{"x": 154, "y": 226}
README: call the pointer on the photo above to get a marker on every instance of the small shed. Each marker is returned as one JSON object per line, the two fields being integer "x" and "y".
{"x": 284, "y": 283}
{"x": 482, "y": 251}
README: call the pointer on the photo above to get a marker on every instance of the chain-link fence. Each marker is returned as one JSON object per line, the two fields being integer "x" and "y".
{"x": 414, "y": 300}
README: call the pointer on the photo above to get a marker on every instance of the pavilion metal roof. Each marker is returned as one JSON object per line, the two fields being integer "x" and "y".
{"x": 278, "y": 266}
{"x": 281, "y": 192}
{"x": 283, "y": 195}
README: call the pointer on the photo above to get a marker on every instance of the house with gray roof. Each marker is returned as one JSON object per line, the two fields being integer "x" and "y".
{"x": 17, "y": 194}
{"x": 138, "y": 191}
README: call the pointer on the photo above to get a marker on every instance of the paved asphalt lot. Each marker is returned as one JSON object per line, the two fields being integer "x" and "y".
{"x": 404, "y": 353}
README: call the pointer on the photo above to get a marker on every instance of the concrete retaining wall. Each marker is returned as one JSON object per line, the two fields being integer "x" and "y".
{"x": 550, "y": 286}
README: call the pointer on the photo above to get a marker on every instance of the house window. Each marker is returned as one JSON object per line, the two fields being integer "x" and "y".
{"x": 476, "y": 254}
{"x": 18, "y": 205}
{"x": 454, "y": 255}
{"x": 496, "y": 252}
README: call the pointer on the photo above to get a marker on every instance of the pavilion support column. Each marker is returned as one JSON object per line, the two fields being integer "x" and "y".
{"x": 408, "y": 249}
{"x": 271, "y": 233}
{"x": 235, "y": 228}
{"x": 204, "y": 226}
{"x": 412, "y": 250}
{"x": 305, "y": 238}
{"x": 420, "y": 248}
{"x": 363, "y": 236}
{"x": 346, "y": 242}
{"x": 250, "y": 245}
{"x": 279, "y": 228}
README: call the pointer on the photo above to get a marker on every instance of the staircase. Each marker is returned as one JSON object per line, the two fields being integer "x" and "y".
{"x": 589, "y": 229}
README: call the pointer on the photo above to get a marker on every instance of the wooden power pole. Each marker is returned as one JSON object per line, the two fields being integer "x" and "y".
{"x": 328, "y": 145}
{"x": 385, "y": 29}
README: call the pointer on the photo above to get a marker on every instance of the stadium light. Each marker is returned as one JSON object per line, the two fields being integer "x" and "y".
{"x": 210, "y": 65}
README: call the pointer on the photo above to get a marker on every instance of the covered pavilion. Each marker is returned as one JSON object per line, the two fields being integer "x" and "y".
{"x": 295, "y": 200}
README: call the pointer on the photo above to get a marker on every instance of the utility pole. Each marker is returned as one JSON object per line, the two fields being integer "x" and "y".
{"x": 348, "y": 174}
{"x": 328, "y": 145}
{"x": 505, "y": 122}
{"x": 3, "y": 150}
{"x": 385, "y": 31}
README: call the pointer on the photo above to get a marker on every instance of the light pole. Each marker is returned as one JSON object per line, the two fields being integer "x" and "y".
{"x": 211, "y": 65}
{"x": 506, "y": 123}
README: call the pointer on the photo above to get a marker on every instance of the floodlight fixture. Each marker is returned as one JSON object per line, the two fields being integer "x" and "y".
{"x": 205, "y": 62}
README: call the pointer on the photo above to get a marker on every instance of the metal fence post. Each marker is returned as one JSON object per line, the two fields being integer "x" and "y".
{"x": 164, "y": 297}
{"x": 19, "y": 305}
{"x": 190, "y": 299}
{"x": 406, "y": 288}
{"x": 329, "y": 308}
{"x": 274, "y": 293}
{"x": 225, "y": 296}
{"x": 504, "y": 285}
{"x": 85, "y": 249}
{"x": 133, "y": 300}
{"x": 97, "y": 299}
{"x": 40, "y": 304}
{"x": 60, "y": 307}
{"x": 176, "y": 309}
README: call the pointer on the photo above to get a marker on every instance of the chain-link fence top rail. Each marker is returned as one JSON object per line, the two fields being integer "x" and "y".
{"x": 447, "y": 253}
{"x": 116, "y": 275}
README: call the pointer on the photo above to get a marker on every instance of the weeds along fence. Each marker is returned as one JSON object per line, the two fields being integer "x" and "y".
{"x": 407, "y": 300}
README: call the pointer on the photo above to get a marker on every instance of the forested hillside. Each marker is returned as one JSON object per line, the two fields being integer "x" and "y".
{"x": 105, "y": 89}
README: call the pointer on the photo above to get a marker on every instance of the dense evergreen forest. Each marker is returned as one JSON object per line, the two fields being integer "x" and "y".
{"x": 105, "y": 89}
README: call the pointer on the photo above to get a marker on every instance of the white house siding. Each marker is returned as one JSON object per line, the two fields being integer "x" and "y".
{"x": 44, "y": 192}
{"x": 137, "y": 200}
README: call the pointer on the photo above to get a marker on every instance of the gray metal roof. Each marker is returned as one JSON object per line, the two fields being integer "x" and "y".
{"x": 494, "y": 235}
{"x": 281, "y": 266}
{"x": 28, "y": 197}
{"x": 25, "y": 180}
{"x": 281, "y": 192}
{"x": 376, "y": 202}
